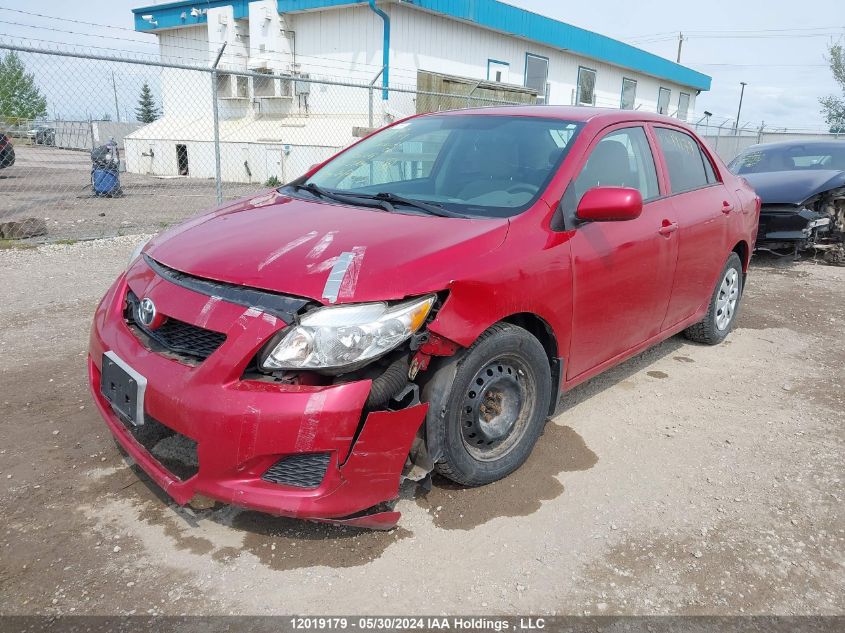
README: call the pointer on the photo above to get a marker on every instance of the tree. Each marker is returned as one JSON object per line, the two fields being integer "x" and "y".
{"x": 146, "y": 112}
{"x": 19, "y": 96}
{"x": 833, "y": 107}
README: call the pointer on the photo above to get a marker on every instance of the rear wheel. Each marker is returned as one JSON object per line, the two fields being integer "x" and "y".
{"x": 492, "y": 413}
{"x": 723, "y": 308}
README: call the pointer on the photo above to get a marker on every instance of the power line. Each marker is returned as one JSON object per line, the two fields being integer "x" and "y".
{"x": 409, "y": 73}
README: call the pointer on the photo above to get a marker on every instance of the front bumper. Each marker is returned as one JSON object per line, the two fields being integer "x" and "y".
{"x": 242, "y": 427}
{"x": 778, "y": 225}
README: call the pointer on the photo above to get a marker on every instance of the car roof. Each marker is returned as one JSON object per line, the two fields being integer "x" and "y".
{"x": 820, "y": 144}
{"x": 582, "y": 114}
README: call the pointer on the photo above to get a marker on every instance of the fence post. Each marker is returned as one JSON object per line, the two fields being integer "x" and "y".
{"x": 218, "y": 180}
{"x": 370, "y": 98}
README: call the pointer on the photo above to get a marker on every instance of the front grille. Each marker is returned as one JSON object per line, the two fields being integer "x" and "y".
{"x": 302, "y": 471}
{"x": 175, "y": 336}
{"x": 176, "y": 452}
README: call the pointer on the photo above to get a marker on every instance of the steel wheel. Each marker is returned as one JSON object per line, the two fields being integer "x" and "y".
{"x": 727, "y": 298}
{"x": 496, "y": 408}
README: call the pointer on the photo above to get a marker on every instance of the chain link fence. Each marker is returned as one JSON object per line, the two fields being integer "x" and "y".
{"x": 91, "y": 169}
{"x": 135, "y": 145}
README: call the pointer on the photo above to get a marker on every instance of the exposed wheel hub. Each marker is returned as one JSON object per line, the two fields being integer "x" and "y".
{"x": 491, "y": 405}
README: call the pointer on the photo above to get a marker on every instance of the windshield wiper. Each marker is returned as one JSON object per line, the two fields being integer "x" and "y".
{"x": 346, "y": 199}
{"x": 433, "y": 209}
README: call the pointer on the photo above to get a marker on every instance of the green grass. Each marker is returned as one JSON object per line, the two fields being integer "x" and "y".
{"x": 66, "y": 242}
{"x": 10, "y": 244}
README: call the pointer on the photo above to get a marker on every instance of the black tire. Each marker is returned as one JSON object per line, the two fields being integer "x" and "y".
{"x": 712, "y": 329}
{"x": 489, "y": 405}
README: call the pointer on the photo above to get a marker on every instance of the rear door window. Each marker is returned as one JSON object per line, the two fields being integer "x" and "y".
{"x": 684, "y": 160}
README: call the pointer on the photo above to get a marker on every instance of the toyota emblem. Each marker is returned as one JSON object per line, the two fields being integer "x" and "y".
{"x": 147, "y": 311}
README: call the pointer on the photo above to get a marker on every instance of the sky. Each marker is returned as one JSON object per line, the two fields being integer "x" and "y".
{"x": 777, "y": 47}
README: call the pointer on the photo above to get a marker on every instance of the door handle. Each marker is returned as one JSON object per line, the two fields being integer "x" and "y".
{"x": 727, "y": 207}
{"x": 668, "y": 228}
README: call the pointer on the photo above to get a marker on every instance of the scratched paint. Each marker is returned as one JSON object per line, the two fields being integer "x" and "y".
{"x": 299, "y": 241}
{"x": 205, "y": 313}
{"x": 318, "y": 267}
{"x": 264, "y": 200}
{"x": 321, "y": 246}
{"x": 249, "y": 313}
{"x": 350, "y": 279}
{"x": 249, "y": 434}
{"x": 269, "y": 318}
{"x": 310, "y": 421}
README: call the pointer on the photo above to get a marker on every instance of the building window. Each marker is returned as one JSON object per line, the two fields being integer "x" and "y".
{"x": 663, "y": 100}
{"x": 227, "y": 83}
{"x": 536, "y": 75}
{"x": 586, "y": 86}
{"x": 264, "y": 86}
{"x": 242, "y": 87}
{"x": 224, "y": 86}
{"x": 683, "y": 106}
{"x": 629, "y": 93}
{"x": 497, "y": 71}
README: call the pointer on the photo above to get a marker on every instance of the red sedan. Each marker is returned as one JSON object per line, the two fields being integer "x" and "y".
{"x": 417, "y": 303}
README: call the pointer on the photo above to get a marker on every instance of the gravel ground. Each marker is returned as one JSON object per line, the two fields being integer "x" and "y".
{"x": 688, "y": 480}
{"x": 55, "y": 185}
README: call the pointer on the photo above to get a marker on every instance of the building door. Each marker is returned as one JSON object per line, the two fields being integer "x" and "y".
{"x": 274, "y": 163}
{"x": 182, "y": 159}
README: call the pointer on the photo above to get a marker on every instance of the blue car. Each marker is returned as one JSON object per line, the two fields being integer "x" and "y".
{"x": 802, "y": 186}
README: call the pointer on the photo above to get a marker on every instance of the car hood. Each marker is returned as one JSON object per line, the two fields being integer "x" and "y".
{"x": 794, "y": 187}
{"x": 288, "y": 245}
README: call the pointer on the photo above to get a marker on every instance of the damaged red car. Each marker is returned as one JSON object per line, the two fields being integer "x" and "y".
{"x": 415, "y": 304}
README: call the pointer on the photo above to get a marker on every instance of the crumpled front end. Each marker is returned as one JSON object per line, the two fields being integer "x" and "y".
{"x": 206, "y": 425}
{"x": 817, "y": 223}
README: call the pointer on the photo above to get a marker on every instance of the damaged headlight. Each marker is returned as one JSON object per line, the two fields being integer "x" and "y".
{"x": 345, "y": 336}
{"x": 137, "y": 252}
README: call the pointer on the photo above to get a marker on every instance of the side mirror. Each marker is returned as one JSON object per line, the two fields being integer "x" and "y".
{"x": 610, "y": 204}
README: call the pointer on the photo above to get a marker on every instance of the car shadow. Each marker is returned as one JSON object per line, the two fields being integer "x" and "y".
{"x": 612, "y": 377}
{"x": 279, "y": 543}
{"x": 782, "y": 262}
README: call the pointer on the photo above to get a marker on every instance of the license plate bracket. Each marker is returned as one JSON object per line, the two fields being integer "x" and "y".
{"x": 124, "y": 388}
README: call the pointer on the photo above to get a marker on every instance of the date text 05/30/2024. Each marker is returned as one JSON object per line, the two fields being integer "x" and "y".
{"x": 456, "y": 623}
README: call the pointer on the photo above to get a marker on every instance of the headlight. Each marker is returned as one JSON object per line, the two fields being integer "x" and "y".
{"x": 137, "y": 252}
{"x": 347, "y": 336}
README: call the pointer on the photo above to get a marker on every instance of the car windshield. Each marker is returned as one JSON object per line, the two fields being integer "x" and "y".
{"x": 789, "y": 158}
{"x": 472, "y": 165}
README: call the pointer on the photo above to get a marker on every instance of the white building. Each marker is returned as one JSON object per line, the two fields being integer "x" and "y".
{"x": 278, "y": 127}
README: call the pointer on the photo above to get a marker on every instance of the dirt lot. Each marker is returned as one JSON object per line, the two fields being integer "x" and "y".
{"x": 689, "y": 480}
{"x": 55, "y": 185}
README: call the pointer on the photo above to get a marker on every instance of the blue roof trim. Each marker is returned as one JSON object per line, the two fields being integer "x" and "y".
{"x": 491, "y": 14}
{"x": 175, "y": 14}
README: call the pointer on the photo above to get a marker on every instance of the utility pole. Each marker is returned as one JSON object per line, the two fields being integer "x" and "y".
{"x": 680, "y": 45}
{"x": 739, "y": 110}
{"x": 114, "y": 88}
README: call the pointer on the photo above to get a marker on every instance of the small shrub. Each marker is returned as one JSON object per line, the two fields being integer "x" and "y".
{"x": 272, "y": 181}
